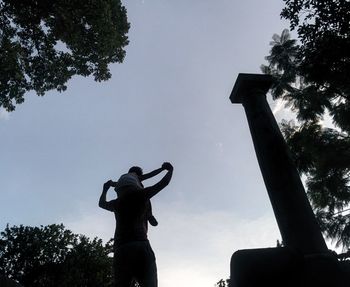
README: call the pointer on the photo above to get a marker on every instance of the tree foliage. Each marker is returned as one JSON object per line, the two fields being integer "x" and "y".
{"x": 312, "y": 78}
{"x": 54, "y": 256}
{"x": 223, "y": 283}
{"x": 323, "y": 28}
{"x": 44, "y": 43}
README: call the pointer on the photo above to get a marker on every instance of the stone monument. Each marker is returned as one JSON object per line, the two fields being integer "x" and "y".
{"x": 305, "y": 259}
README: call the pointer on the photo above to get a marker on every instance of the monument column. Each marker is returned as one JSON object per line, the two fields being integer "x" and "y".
{"x": 295, "y": 218}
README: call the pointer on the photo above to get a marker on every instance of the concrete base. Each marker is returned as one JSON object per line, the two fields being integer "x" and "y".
{"x": 283, "y": 267}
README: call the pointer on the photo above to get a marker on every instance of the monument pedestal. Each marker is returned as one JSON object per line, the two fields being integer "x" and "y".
{"x": 283, "y": 267}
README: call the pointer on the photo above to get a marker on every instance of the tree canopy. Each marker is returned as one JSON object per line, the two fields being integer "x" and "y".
{"x": 323, "y": 27}
{"x": 312, "y": 78}
{"x": 54, "y": 256}
{"x": 44, "y": 43}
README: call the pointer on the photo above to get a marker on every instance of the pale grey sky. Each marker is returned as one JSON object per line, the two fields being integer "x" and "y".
{"x": 169, "y": 101}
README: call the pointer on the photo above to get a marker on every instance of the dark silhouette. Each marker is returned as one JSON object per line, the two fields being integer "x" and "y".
{"x": 54, "y": 256}
{"x": 311, "y": 74}
{"x": 45, "y": 43}
{"x": 135, "y": 177}
{"x": 7, "y": 282}
{"x": 133, "y": 256}
{"x": 305, "y": 260}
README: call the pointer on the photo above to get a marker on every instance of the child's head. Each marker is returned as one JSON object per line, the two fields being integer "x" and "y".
{"x": 137, "y": 170}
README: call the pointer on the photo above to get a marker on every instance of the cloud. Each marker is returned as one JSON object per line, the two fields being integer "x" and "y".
{"x": 220, "y": 147}
{"x": 280, "y": 111}
{"x": 278, "y": 106}
{"x": 4, "y": 115}
{"x": 192, "y": 249}
{"x": 327, "y": 121}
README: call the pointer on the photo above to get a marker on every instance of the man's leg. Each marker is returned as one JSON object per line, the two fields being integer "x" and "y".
{"x": 147, "y": 269}
{"x": 121, "y": 267}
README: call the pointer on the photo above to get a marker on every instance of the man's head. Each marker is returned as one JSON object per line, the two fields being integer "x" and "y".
{"x": 137, "y": 170}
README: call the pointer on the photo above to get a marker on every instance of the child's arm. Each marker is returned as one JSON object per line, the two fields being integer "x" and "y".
{"x": 154, "y": 189}
{"x": 151, "y": 174}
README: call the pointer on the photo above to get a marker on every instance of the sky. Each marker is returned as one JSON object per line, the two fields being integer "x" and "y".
{"x": 168, "y": 101}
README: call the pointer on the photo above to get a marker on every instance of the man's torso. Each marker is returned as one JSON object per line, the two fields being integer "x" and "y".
{"x": 131, "y": 217}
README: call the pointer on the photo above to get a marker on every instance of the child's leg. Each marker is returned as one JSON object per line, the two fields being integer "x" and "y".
{"x": 151, "y": 219}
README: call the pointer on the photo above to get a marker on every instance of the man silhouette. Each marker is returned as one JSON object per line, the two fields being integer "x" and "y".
{"x": 133, "y": 256}
{"x": 134, "y": 177}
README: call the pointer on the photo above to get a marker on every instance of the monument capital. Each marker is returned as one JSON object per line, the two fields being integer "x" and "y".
{"x": 248, "y": 85}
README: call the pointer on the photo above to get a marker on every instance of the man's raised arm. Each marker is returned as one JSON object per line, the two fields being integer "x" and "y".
{"x": 103, "y": 203}
{"x": 154, "y": 189}
{"x": 151, "y": 174}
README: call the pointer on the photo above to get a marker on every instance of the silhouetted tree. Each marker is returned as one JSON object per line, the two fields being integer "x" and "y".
{"x": 53, "y": 256}
{"x": 44, "y": 43}
{"x": 323, "y": 27}
{"x": 312, "y": 78}
{"x": 223, "y": 283}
